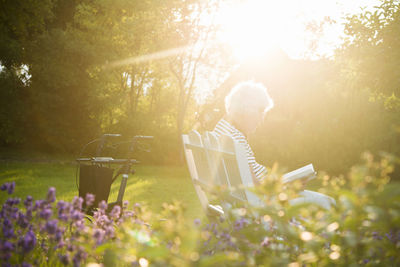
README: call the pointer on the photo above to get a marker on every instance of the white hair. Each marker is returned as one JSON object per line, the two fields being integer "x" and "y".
{"x": 244, "y": 95}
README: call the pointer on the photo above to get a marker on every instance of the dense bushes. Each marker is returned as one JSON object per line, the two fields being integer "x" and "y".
{"x": 363, "y": 229}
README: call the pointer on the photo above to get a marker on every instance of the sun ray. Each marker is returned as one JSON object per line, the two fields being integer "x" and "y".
{"x": 145, "y": 58}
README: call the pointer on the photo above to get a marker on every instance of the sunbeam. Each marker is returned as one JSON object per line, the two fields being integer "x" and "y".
{"x": 146, "y": 58}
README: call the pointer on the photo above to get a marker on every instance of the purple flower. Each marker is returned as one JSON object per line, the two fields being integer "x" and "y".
{"x": 109, "y": 231}
{"x": 63, "y": 216}
{"x": 77, "y": 203}
{"x": 211, "y": 227}
{"x": 59, "y": 234}
{"x": 98, "y": 235}
{"x": 51, "y": 195}
{"x": 9, "y": 187}
{"x": 128, "y": 214}
{"x": 60, "y": 244}
{"x": 241, "y": 223}
{"x": 29, "y": 214}
{"x": 197, "y": 222}
{"x": 24, "y": 264}
{"x": 169, "y": 244}
{"x": 46, "y": 213}
{"x": 61, "y": 205}
{"x": 115, "y": 212}
{"x": 51, "y": 226}
{"x": 76, "y": 215}
{"x": 79, "y": 256}
{"x": 89, "y": 199}
{"x": 70, "y": 247}
{"x": 102, "y": 220}
{"x": 12, "y": 201}
{"x": 76, "y": 261}
{"x": 226, "y": 236}
{"x": 80, "y": 225}
{"x": 103, "y": 205}
{"x": 63, "y": 210}
{"x": 14, "y": 213}
{"x": 28, "y": 241}
{"x": 28, "y": 202}
{"x": 39, "y": 204}
{"x": 8, "y": 230}
{"x": 6, "y": 248}
{"x": 64, "y": 258}
{"x": 22, "y": 220}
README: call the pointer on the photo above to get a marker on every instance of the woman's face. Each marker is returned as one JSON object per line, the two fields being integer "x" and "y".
{"x": 251, "y": 118}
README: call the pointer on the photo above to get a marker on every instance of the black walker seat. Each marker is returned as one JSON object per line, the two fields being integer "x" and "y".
{"x": 96, "y": 175}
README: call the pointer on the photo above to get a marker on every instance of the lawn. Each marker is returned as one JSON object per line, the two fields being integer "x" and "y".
{"x": 150, "y": 185}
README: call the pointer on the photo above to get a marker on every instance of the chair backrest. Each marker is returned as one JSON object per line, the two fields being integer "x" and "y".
{"x": 218, "y": 161}
{"x": 223, "y": 162}
{"x": 198, "y": 165}
{"x": 238, "y": 173}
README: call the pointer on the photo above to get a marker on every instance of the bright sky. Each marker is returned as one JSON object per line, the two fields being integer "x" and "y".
{"x": 253, "y": 26}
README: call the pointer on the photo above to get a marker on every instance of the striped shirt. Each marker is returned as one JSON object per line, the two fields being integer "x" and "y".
{"x": 224, "y": 127}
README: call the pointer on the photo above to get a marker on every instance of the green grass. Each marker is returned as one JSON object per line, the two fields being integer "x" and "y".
{"x": 151, "y": 185}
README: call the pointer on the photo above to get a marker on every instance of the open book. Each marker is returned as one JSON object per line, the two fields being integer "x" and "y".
{"x": 306, "y": 172}
{"x": 306, "y": 196}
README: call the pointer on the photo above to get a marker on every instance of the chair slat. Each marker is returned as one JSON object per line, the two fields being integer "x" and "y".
{"x": 193, "y": 170}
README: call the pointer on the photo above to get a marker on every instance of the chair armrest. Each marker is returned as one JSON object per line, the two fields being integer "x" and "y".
{"x": 215, "y": 210}
{"x": 319, "y": 199}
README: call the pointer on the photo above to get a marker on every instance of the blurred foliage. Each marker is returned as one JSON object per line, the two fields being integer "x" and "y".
{"x": 362, "y": 229}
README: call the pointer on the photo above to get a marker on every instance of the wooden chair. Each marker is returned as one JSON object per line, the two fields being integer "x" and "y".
{"x": 229, "y": 158}
{"x": 214, "y": 161}
{"x": 222, "y": 161}
{"x": 204, "y": 177}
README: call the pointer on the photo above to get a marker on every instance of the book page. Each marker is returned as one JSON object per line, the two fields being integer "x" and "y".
{"x": 301, "y": 173}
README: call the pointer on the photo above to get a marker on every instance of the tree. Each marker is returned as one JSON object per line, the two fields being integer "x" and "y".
{"x": 194, "y": 33}
{"x": 21, "y": 22}
{"x": 77, "y": 96}
{"x": 371, "y": 51}
{"x": 90, "y": 69}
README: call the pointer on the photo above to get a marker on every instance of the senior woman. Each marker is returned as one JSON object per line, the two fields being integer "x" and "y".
{"x": 245, "y": 106}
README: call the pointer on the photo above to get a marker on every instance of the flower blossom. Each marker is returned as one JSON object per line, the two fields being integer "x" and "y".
{"x": 9, "y": 187}
{"x": 27, "y": 242}
{"x": 51, "y": 195}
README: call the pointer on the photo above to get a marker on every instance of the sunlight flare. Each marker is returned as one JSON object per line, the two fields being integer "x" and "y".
{"x": 145, "y": 58}
{"x": 254, "y": 27}
{"x": 251, "y": 27}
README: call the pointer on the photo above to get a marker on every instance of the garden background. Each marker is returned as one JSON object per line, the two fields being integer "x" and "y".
{"x": 73, "y": 70}
{"x": 66, "y": 78}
